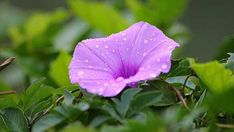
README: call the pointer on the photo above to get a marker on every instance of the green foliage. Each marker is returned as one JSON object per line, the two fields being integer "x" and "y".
{"x": 59, "y": 69}
{"x": 13, "y": 120}
{"x": 99, "y": 15}
{"x": 226, "y": 47}
{"x": 215, "y": 76}
{"x": 190, "y": 97}
{"x": 157, "y": 12}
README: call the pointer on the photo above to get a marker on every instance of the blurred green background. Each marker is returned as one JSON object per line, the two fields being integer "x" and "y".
{"x": 209, "y": 22}
{"x": 42, "y": 34}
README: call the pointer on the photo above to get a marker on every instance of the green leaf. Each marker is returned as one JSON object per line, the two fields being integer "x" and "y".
{"x": 35, "y": 93}
{"x": 9, "y": 100}
{"x": 68, "y": 98}
{"x": 157, "y": 12}
{"x": 226, "y": 47}
{"x": 99, "y": 15}
{"x": 215, "y": 76}
{"x": 221, "y": 102}
{"x": 230, "y": 62}
{"x": 14, "y": 120}
{"x": 75, "y": 127}
{"x": 123, "y": 104}
{"x": 47, "y": 122}
{"x": 59, "y": 69}
{"x": 181, "y": 80}
{"x": 69, "y": 34}
{"x": 60, "y": 91}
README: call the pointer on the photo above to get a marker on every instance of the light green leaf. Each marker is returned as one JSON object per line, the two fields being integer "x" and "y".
{"x": 215, "y": 76}
{"x": 59, "y": 69}
{"x": 77, "y": 127}
{"x": 14, "y": 120}
{"x": 230, "y": 62}
{"x": 99, "y": 15}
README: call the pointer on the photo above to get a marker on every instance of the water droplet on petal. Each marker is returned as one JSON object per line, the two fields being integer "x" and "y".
{"x": 80, "y": 73}
{"x": 144, "y": 54}
{"x": 124, "y": 39}
{"x": 98, "y": 82}
{"x": 96, "y": 46}
{"x": 164, "y": 66}
{"x": 145, "y": 41}
{"x": 153, "y": 75}
{"x": 123, "y": 33}
{"x": 93, "y": 90}
{"x": 158, "y": 60}
{"x": 104, "y": 40}
{"x": 106, "y": 84}
{"x": 170, "y": 47}
{"x": 106, "y": 46}
{"x": 119, "y": 79}
{"x": 86, "y": 60}
{"x": 90, "y": 66}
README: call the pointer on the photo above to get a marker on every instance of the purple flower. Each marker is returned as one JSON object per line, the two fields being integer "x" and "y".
{"x": 105, "y": 66}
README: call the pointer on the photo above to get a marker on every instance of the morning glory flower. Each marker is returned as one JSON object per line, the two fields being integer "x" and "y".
{"x": 105, "y": 66}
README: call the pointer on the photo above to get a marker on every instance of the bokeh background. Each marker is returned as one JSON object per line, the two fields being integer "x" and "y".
{"x": 38, "y": 32}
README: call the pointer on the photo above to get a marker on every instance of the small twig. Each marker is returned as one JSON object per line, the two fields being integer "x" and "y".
{"x": 180, "y": 97}
{"x": 225, "y": 125}
{"x": 6, "y": 63}
{"x": 7, "y": 92}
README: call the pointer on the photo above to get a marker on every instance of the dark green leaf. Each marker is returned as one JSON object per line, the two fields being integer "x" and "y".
{"x": 14, "y": 120}
{"x": 47, "y": 122}
{"x": 123, "y": 105}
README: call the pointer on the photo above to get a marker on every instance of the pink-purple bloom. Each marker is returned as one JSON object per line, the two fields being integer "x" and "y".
{"x": 105, "y": 66}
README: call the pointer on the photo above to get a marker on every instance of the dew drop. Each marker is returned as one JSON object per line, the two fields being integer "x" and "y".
{"x": 119, "y": 79}
{"x": 86, "y": 60}
{"x": 80, "y": 73}
{"x": 170, "y": 47}
{"x": 106, "y": 46}
{"x": 93, "y": 90}
{"x": 124, "y": 39}
{"x": 164, "y": 66}
{"x": 96, "y": 46}
{"x": 123, "y": 33}
{"x": 158, "y": 60}
{"x": 90, "y": 66}
{"x": 98, "y": 82}
{"x": 106, "y": 84}
{"x": 104, "y": 40}
{"x": 145, "y": 41}
{"x": 153, "y": 75}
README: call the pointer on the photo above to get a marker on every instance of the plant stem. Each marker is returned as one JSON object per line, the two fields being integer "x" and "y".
{"x": 7, "y": 92}
{"x": 225, "y": 125}
{"x": 180, "y": 97}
